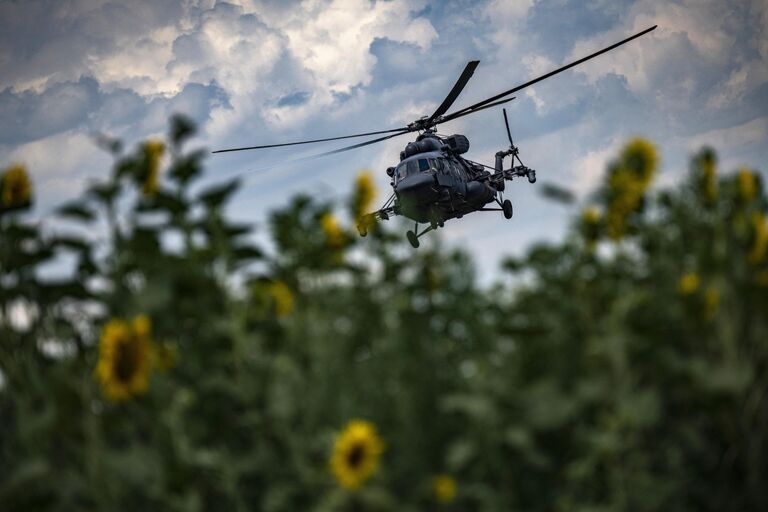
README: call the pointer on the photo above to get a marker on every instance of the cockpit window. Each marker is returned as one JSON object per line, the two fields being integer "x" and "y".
{"x": 413, "y": 167}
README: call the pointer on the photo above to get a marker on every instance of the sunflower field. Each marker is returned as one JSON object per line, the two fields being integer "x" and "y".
{"x": 170, "y": 363}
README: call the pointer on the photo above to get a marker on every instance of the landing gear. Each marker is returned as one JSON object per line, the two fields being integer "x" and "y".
{"x": 413, "y": 238}
{"x": 506, "y": 207}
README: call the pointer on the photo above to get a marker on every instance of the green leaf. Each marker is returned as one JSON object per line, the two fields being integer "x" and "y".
{"x": 182, "y": 128}
{"x": 215, "y": 196}
{"x": 77, "y": 211}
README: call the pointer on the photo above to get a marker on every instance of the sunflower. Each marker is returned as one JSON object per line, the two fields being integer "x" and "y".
{"x": 15, "y": 188}
{"x": 590, "y": 226}
{"x": 334, "y": 235}
{"x": 125, "y": 357}
{"x": 444, "y": 488}
{"x": 282, "y": 298}
{"x": 641, "y": 159}
{"x": 356, "y": 454}
{"x": 689, "y": 283}
{"x": 153, "y": 152}
{"x": 627, "y": 181}
{"x": 747, "y": 185}
{"x": 363, "y": 195}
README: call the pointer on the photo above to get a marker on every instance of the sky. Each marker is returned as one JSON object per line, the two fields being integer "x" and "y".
{"x": 260, "y": 72}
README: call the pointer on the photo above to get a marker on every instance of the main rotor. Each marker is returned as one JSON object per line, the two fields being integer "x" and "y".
{"x": 428, "y": 124}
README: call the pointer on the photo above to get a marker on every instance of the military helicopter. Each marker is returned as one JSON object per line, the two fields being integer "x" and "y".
{"x": 433, "y": 182}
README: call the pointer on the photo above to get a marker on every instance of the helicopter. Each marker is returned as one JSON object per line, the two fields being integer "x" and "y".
{"x": 434, "y": 182}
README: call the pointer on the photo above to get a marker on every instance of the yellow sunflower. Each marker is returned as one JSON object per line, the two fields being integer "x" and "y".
{"x": 363, "y": 195}
{"x": 334, "y": 235}
{"x": 689, "y": 283}
{"x": 153, "y": 152}
{"x": 444, "y": 488}
{"x": 356, "y": 454}
{"x": 15, "y": 187}
{"x": 125, "y": 357}
{"x": 282, "y": 298}
{"x": 628, "y": 180}
{"x": 639, "y": 157}
{"x": 747, "y": 185}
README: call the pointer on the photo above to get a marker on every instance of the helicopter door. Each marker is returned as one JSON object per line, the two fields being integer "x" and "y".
{"x": 444, "y": 175}
{"x": 460, "y": 177}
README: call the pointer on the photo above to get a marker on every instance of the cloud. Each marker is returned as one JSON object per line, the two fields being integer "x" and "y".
{"x": 686, "y": 56}
{"x": 752, "y": 133}
{"x": 85, "y": 106}
{"x": 29, "y": 115}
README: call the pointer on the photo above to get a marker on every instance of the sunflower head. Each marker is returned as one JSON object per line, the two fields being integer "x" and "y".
{"x": 15, "y": 188}
{"x": 689, "y": 283}
{"x": 271, "y": 298}
{"x": 640, "y": 158}
{"x": 356, "y": 454}
{"x": 125, "y": 357}
{"x": 153, "y": 152}
{"x": 364, "y": 194}
{"x": 746, "y": 185}
{"x": 334, "y": 235}
{"x": 282, "y": 298}
{"x": 444, "y": 488}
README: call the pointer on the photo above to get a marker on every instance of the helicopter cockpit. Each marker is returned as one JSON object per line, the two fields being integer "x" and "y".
{"x": 423, "y": 163}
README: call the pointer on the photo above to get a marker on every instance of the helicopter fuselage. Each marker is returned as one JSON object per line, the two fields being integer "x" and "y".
{"x": 434, "y": 186}
{"x": 434, "y": 183}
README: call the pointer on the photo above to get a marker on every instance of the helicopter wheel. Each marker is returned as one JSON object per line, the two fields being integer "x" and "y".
{"x": 506, "y": 207}
{"x": 413, "y": 239}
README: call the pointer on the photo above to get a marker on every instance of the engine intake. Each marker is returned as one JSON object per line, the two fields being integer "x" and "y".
{"x": 458, "y": 143}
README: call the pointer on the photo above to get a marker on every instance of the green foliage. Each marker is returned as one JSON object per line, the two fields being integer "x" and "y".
{"x": 625, "y": 369}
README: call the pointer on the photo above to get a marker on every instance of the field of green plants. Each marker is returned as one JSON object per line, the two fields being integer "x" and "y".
{"x": 176, "y": 366}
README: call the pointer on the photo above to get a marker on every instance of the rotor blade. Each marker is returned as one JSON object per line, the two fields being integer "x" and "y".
{"x": 506, "y": 123}
{"x": 469, "y": 69}
{"x": 308, "y": 141}
{"x": 456, "y": 115}
{"x": 556, "y": 71}
{"x": 354, "y": 146}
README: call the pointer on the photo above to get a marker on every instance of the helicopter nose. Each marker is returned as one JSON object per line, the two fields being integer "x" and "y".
{"x": 417, "y": 188}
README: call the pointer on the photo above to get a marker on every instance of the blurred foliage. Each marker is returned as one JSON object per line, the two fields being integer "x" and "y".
{"x": 175, "y": 365}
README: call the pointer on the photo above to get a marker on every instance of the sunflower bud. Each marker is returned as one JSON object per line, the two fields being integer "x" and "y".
{"x": 15, "y": 188}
